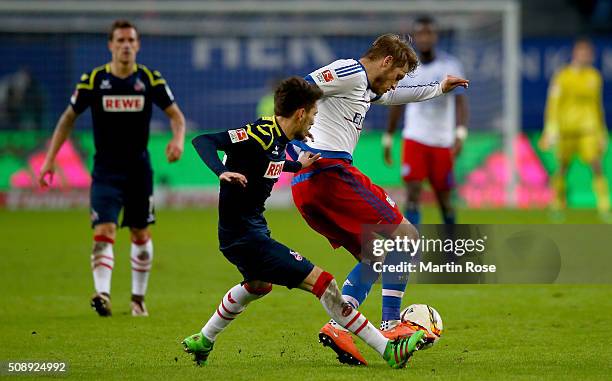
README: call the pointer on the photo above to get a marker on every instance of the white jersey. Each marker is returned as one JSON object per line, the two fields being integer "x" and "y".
{"x": 346, "y": 100}
{"x": 432, "y": 123}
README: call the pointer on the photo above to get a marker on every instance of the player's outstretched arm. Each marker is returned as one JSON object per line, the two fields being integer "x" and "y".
{"x": 395, "y": 114}
{"x": 419, "y": 92}
{"x": 207, "y": 146}
{"x": 63, "y": 129}
{"x": 175, "y": 147}
{"x": 550, "y": 133}
{"x": 461, "y": 132}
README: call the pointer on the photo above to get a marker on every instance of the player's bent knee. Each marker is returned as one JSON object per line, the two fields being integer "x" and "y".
{"x": 108, "y": 230}
{"x": 258, "y": 287}
{"x": 140, "y": 235}
{"x": 322, "y": 283}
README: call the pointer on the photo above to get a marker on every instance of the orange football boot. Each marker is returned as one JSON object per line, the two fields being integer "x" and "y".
{"x": 342, "y": 343}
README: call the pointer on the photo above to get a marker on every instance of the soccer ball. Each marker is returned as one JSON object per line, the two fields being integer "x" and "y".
{"x": 424, "y": 317}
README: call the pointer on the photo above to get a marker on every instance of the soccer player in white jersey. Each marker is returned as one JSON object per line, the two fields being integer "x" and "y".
{"x": 332, "y": 195}
{"x": 434, "y": 131}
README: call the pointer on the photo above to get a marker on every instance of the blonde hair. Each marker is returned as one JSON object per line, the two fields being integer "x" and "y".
{"x": 397, "y": 47}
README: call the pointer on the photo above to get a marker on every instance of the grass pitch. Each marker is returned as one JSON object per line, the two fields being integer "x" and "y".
{"x": 491, "y": 331}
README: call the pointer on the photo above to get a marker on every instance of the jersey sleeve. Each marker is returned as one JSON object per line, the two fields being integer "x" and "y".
{"x": 334, "y": 81}
{"x": 83, "y": 93}
{"x": 292, "y": 166}
{"x": 600, "y": 106}
{"x": 162, "y": 95}
{"x": 409, "y": 92}
{"x": 551, "y": 122}
{"x": 207, "y": 145}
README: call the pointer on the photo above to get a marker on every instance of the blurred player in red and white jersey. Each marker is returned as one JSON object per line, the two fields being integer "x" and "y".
{"x": 433, "y": 131}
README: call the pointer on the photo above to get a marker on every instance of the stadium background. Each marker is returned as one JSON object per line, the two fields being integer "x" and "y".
{"x": 218, "y": 81}
{"x": 502, "y": 331}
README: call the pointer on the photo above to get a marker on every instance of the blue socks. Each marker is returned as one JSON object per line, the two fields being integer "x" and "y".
{"x": 360, "y": 280}
{"x": 393, "y": 287}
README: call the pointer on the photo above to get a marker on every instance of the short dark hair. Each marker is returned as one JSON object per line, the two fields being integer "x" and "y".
{"x": 397, "y": 47}
{"x": 121, "y": 24}
{"x": 294, "y": 93}
{"x": 425, "y": 20}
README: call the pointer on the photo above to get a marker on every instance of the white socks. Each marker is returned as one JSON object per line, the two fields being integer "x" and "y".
{"x": 353, "y": 302}
{"x": 348, "y": 317}
{"x": 102, "y": 262}
{"x": 232, "y": 304}
{"x": 141, "y": 257}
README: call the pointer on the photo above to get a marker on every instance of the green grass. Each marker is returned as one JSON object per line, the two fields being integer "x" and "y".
{"x": 491, "y": 331}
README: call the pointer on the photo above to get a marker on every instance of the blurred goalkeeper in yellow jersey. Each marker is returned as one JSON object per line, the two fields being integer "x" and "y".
{"x": 575, "y": 124}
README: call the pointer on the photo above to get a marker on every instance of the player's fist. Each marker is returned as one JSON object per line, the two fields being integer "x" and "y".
{"x": 47, "y": 170}
{"x": 234, "y": 178}
{"x": 174, "y": 150}
{"x": 307, "y": 158}
{"x": 452, "y": 82}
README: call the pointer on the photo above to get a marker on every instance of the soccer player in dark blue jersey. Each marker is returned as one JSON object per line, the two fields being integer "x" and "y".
{"x": 121, "y": 95}
{"x": 255, "y": 160}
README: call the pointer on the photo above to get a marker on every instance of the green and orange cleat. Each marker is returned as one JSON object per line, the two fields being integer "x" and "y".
{"x": 199, "y": 346}
{"x": 399, "y": 351}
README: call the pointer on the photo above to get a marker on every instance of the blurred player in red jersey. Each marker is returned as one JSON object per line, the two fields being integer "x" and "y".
{"x": 434, "y": 131}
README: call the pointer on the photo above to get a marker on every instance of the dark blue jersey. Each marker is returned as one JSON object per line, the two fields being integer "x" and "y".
{"x": 256, "y": 151}
{"x": 121, "y": 111}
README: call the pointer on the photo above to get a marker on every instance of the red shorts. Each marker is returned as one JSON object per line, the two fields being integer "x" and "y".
{"x": 336, "y": 200}
{"x": 420, "y": 161}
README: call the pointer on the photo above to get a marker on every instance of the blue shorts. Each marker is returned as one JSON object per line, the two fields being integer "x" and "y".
{"x": 264, "y": 259}
{"x": 132, "y": 192}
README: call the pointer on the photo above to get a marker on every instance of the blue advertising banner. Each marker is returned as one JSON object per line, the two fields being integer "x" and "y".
{"x": 218, "y": 82}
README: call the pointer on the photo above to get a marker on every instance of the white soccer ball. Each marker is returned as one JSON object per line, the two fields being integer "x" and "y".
{"x": 424, "y": 317}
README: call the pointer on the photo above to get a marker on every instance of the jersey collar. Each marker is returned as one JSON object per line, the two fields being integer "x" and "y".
{"x": 281, "y": 133}
{"x": 366, "y": 73}
{"x": 107, "y": 68}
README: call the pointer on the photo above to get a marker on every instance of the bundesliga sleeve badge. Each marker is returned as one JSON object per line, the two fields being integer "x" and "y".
{"x": 238, "y": 135}
{"x": 325, "y": 76}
